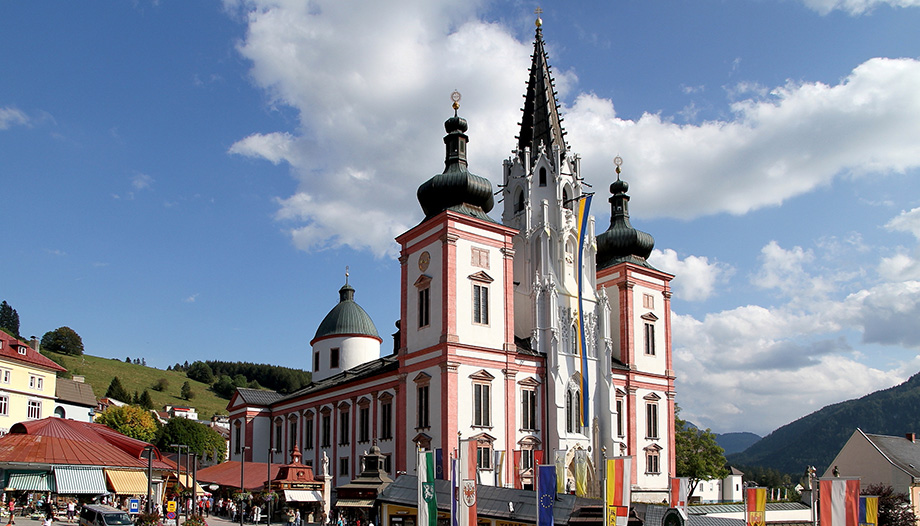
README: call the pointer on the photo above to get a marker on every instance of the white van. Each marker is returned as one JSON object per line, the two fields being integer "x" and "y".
{"x": 102, "y": 515}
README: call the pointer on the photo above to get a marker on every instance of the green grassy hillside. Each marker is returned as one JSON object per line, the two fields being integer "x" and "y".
{"x": 100, "y": 371}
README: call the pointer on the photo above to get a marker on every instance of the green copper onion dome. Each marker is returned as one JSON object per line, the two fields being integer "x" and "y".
{"x": 456, "y": 189}
{"x": 621, "y": 242}
{"x": 346, "y": 318}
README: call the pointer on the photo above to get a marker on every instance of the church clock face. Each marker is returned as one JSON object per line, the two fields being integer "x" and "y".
{"x": 423, "y": 260}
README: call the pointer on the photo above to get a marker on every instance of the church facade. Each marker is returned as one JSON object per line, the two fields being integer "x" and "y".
{"x": 539, "y": 339}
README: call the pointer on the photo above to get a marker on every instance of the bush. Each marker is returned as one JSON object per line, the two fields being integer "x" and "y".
{"x": 147, "y": 519}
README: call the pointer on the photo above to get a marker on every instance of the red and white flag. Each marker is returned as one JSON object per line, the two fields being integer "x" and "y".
{"x": 839, "y": 501}
{"x": 467, "y": 491}
{"x": 680, "y": 488}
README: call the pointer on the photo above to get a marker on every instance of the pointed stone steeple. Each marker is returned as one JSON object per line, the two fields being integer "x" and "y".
{"x": 541, "y": 125}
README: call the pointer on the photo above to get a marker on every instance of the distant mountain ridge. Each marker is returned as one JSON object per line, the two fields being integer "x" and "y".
{"x": 736, "y": 442}
{"x": 815, "y": 439}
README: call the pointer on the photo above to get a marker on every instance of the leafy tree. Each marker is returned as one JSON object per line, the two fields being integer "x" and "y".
{"x": 9, "y": 319}
{"x": 224, "y": 387}
{"x": 893, "y": 508}
{"x": 127, "y": 359}
{"x": 186, "y": 392}
{"x": 699, "y": 457}
{"x": 201, "y": 372}
{"x": 146, "y": 401}
{"x": 161, "y": 384}
{"x": 117, "y": 391}
{"x": 200, "y": 438}
{"x": 63, "y": 340}
{"x": 130, "y": 420}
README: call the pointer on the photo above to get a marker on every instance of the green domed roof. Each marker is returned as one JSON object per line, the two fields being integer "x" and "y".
{"x": 346, "y": 318}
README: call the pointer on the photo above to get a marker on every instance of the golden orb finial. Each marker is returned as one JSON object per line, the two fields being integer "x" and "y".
{"x": 539, "y": 21}
{"x": 618, "y": 161}
{"x": 455, "y": 96}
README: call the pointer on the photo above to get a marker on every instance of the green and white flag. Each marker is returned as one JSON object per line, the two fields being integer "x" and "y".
{"x": 427, "y": 501}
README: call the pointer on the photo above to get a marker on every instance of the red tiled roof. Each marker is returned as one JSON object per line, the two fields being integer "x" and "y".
{"x": 31, "y": 356}
{"x": 228, "y": 474}
{"x": 57, "y": 441}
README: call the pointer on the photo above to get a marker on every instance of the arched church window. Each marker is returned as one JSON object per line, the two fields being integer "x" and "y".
{"x": 572, "y": 409}
{"x": 566, "y": 199}
{"x": 542, "y": 176}
{"x": 519, "y": 201}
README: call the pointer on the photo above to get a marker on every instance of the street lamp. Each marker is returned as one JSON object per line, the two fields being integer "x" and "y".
{"x": 242, "y": 469}
{"x": 190, "y": 468}
{"x": 179, "y": 469}
{"x": 149, "y": 450}
{"x": 268, "y": 481}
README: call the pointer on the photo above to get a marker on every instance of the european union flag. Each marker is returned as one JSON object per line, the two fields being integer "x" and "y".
{"x": 546, "y": 494}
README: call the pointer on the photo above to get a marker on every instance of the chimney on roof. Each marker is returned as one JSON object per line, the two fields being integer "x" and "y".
{"x": 33, "y": 343}
{"x": 911, "y": 436}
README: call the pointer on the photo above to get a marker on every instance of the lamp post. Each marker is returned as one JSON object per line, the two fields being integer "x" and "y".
{"x": 242, "y": 469}
{"x": 190, "y": 468}
{"x": 149, "y": 450}
{"x": 179, "y": 469}
{"x": 268, "y": 482}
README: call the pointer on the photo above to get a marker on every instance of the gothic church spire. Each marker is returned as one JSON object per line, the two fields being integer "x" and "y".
{"x": 541, "y": 124}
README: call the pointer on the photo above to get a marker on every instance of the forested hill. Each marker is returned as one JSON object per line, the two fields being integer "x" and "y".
{"x": 815, "y": 440}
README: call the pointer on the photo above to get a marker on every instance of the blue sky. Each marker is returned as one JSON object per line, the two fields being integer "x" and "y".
{"x": 189, "y": 180}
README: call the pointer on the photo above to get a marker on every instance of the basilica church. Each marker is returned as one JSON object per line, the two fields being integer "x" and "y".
{"x": 538, "y": 338}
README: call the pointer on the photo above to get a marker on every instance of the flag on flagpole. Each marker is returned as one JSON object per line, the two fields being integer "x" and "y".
{"x": 546, "y": 494}
{"x": 868, "y": 510}
{"x": 454, "y": 493}
{"x": 584, "y": 207}
{"x": 427, "y": 500}
{"x": 516, "y": 454}
{"x": 755, "y": 506}
{"x": 468, "y": 472}
{"x": 499, "y": 468}
{"x": 560, "y": 471}
{"x": 617, "y": 494}
{"x": 839, "y": 501}
{"x": 680, "y": 488}
{"x": 581, "y": 473}
{"x": 439, "y": 464}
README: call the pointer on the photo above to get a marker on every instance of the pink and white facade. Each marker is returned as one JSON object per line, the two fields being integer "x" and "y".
{"x": 485, "y": 348}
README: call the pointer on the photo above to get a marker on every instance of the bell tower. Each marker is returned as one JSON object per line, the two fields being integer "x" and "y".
{"x": 544, "y": 194}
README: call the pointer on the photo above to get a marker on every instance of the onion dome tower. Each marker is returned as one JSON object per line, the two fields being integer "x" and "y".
{"x": 456, "y": 189}
{"x": 621, "y": 242}
{"x": 347, "y": 337}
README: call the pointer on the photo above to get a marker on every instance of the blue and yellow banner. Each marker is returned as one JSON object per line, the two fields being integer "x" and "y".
{"x": 868, "y": 510}
{"x": 584, "y": 207}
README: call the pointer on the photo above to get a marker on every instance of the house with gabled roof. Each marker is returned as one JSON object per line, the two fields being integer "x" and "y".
{"x": 881, "y": 459}
{"x": 28, "y": 381}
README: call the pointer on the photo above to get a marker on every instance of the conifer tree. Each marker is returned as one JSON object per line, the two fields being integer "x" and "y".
{"x": 117, "y": 391}
{"x": 146, "y": 401}
{"x": 9, "y": 319}
{"x": 186, "y": 393}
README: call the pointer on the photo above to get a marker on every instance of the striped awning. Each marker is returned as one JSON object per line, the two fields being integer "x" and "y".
{"x": 127, "y": 482}
{"x": 355, "y": 503}
{"x": 302, "y": 495}
{"x": 42, "y": 481}
{"x": 79, "y": 481}
{"x": 185, "y": 480}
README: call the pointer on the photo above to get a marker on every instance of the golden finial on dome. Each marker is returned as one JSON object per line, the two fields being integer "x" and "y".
{"x": 618, "y": 161}
{"x": 539, "y": 21}
{"x": 455, "y": 96}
